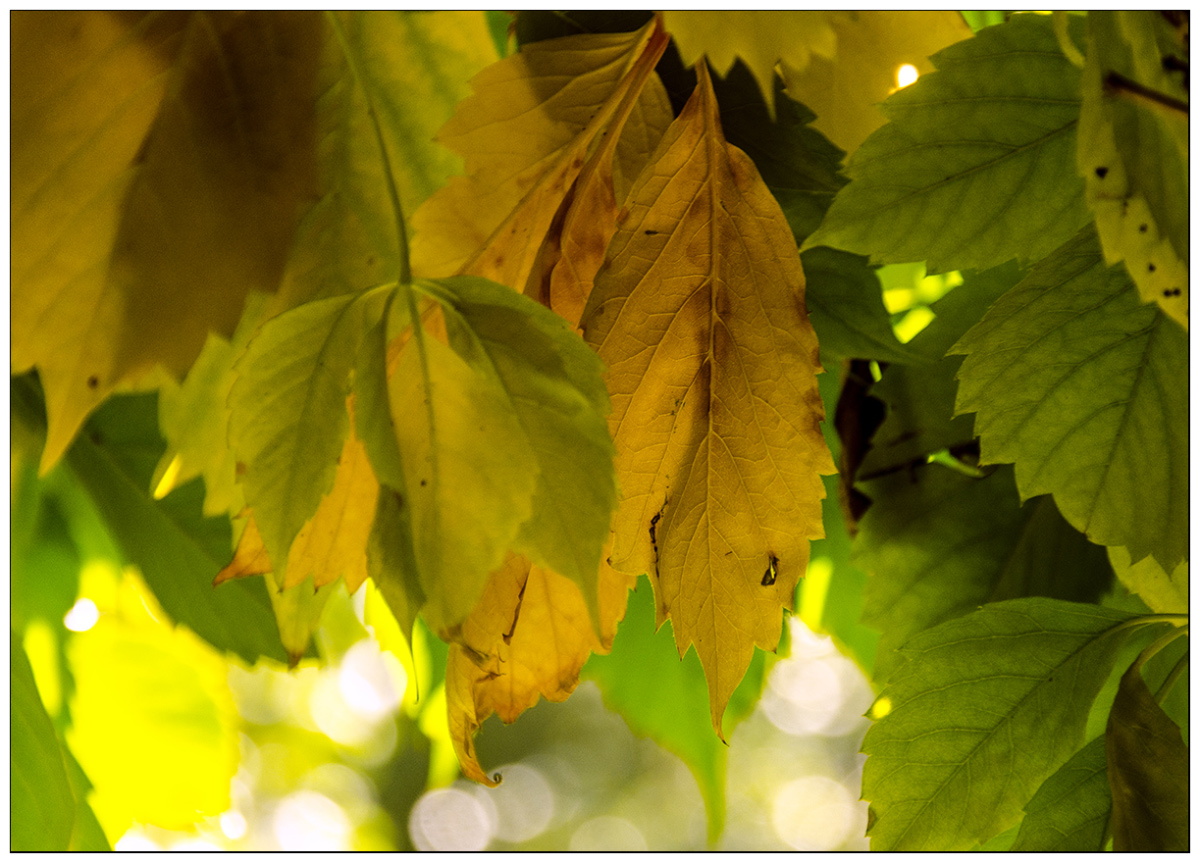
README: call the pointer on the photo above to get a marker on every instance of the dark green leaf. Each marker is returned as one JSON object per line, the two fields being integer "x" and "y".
{"x": 977, "y": 165}
{"x": 986, "y": 707}
{"x": 1070, "y": 811}
{"x": 1148, "y": 771}
{"x": 845, "y": 302}
{"x": 938, "y": 544}
{"x": 42, "y": 806}
{"x": 1085, "y": 389}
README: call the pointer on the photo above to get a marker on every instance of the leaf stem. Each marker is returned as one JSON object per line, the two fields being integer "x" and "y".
{"x": 405, "y": 272}
{"x": 1118, "y": 85}
{"x": 1176, "y": 673}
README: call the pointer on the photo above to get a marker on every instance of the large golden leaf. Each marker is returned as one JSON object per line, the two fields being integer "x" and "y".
{"x": 699, "y": 314}
{"x": 527, "y": 638}
{"x": 524, "y": 136}
{"x": 159, "y": 164}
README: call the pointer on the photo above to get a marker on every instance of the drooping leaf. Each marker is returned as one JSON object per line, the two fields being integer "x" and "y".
{"x": 939, "y": 544}
{"x": 987, "y": 707}
{"x": 1082, "y": 386}
{"x": 177, "y": 550}
{"x": 42, "y": 803}
{"x": 554, "y": 98}
{"x": 663, "y": 698}
{"x": 698, "y": 314}
{"x": 288, "y": 420}
{"x": 554, "y": 387}
{"x": 976, "y": 165}
{"x": 1133, "y": 152}
{"x": 761, "y": 39}
{"x": 1166, "y": 594}
{"x": 1071, "y": 810}
{"x": 140, "y": 222}
{"x": 392, "y": 566}
{"x": 527, "y": 638}
{"x": 1148, "y": 771}
{"x": 845, "y": 90}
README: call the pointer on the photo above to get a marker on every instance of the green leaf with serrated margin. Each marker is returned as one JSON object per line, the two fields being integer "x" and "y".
{"x": 1148, "y": 771}
{"x": 288, "y": 419}
{"x": 1085, "y": 389}
{"x": 976, "y": 165}
{"x": 985, "y": 708}
{"x": 1133, "y": 152}
{"x": 43, "y": 806}
{"x": 554, "y": 386}
{"x": 665, "y": 699}
{"x": 1070, "y": 811}
{"x": 939, "y": 544}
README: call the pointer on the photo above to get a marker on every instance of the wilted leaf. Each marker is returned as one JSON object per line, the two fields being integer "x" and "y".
{"x": 760, "y": 39}
{"x": 1070, "y": 811}
{"x": 939, "y": 544}
{"x": 845, "y": 90}
{"x": 527, "y": 638}
{"x": 977, "y": 164}
{"x": 1148, "y": 771}
{"x": 1166, "y": 594}
{"x": 524, "y": 136}
{"x": 43, "y": 806}
{"x": 985, "y": 709}
{"x": 1085, "y": 388}
{"x": 1133, "y": 153}
{"x": 139, "y": 221}
{"x": 698, "y": 313}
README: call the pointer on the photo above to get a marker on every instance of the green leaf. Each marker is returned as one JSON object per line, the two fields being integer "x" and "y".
{"x": 372, "y": 410}
{"x": 554, "y": 387}
{"x": 1166, "y": 594}
{"x": 845, "y": 302}
{"x": 977, "y": 164}
{"x": 1070, "y": 811}
{"x": 391, "y": 560}
{"x": 42, "y": 803}
{"x": 1086, "y": 389}
{"x": 939, "y": 544}
{"x": 986, "y": 707}
{"x": 665, "y": 699}
{"x": 920, "y": 399}
{"x": 87, "y": 834}
{"x": 1133, "y": 153}
{"x": 288, "y": 419}
{"x": 1148, "y": 771}
{"x": 178, "y": 550}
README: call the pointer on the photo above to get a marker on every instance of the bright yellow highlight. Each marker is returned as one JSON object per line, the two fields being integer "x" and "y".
{"x": 814, "y": 590}
{"x": 167, "y": 483}
{"x": 881, "y": 708}
{"x": 41, "y": 647}
{"x": 905, "y": 75}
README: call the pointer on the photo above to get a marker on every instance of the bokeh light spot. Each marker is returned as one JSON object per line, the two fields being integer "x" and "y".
{"x": 608, "y": 833}
{"x": 814, "y": 813}
{"x": 308, "y": 821}
{"x": 366, "y": 683}
{"x": 449, "y": 819}
{"x": 524, "y": 803}
{"x": 82, "y": 616}
{"x": 906, "y": 74}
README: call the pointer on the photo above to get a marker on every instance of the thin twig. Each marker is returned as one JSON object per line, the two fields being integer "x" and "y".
{"x": 1117, "y": 84}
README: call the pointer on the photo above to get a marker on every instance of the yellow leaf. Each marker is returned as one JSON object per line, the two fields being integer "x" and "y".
{"x": 761, "y": 39}
{"x": 527, "y": 638}
{"x": 159, "y": 162}
{"x": 699, "y": 315}
{"x": 525, "y": 135}
{"x": 844, "y": 90}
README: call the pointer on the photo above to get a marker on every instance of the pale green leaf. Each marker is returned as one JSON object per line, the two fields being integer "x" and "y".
{"x": 40, "y": 796}
{"x": 1071, "y": 810}
{"x": 1147, "y": 770}
{"x": 469, "y": 474}
{"x": 298, "y": 611}
{"x": 977, "y": 164}
{"x": 288, "y": 419}
{"x": 1085, "y": 388}
{"x": 1166, "y": 594}
{"x": 1133, "y": 153}
{"x": 986, "y": 707}
{"x": 555, "y": 389}
{"x": 938, "y": 544}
